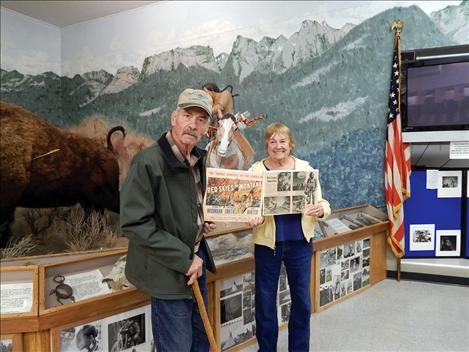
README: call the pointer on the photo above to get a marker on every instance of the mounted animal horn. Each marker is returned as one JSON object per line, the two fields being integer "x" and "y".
{"x": 109, "y": 134}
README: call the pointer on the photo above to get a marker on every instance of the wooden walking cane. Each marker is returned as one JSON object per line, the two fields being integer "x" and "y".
{"x": 204, "y": 316}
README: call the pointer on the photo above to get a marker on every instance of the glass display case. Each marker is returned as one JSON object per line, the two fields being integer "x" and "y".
{"x": 66, "y": 292}
{"x": 349, "y": 254}
{"x": 19, "y": 299}
{"x": 85, "y": 287}
{"x": 47, "y": 301}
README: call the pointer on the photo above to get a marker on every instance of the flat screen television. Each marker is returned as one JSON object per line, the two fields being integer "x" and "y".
{"x": 435, "y": 93}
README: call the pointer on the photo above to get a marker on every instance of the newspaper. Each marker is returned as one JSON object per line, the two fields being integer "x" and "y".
{"x": 288, "y": 191}
{"x": 87, "y": 284}
{"x": 232, "y": 195}
{"x": 16, "y": 297}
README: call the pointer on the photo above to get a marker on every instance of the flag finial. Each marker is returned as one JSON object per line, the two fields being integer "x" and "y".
{"x": 397, "y": 25}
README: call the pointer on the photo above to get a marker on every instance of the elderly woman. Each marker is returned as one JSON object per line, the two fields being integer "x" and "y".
{"x": 287, "y": 239}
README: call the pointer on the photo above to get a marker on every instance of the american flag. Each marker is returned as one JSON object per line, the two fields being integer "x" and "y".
{"x": 398, "y": 164}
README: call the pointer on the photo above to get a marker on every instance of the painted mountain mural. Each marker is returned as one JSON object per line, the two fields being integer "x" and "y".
{"x": 329, "y": 85}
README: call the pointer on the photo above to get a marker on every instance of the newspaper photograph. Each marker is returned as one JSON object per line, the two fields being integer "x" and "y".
{"x": 288, "y": 191}
{"x": 232, "y": 195}
{"x": 237, "y": 310}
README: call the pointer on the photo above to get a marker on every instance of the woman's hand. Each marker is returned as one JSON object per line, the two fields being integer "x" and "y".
{"x": 316, "y": 210}
{"x": 256, "y": 221}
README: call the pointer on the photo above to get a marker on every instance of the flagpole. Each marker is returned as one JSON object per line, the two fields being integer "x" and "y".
{"x": 397, "y": 26}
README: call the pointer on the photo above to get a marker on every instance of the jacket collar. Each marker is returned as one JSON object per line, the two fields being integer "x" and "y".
{"x": 168, "y": 154}
{"x": 174, "y": 162}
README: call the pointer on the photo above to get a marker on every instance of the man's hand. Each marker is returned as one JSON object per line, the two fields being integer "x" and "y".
{"x": 209, "y": 226}
{"x": 314, "y": 210}
{"x": 195, "y": 270}
{"x": 256, "y": 221}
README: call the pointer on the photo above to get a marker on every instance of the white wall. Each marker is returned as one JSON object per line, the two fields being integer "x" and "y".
{"x": 29, "y": 45}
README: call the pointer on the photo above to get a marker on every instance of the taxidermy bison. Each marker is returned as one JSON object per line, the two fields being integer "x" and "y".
{"x": 42, "y": 166}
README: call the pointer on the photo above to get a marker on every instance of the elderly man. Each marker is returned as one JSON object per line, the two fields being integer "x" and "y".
{"x": 161, "y": 214}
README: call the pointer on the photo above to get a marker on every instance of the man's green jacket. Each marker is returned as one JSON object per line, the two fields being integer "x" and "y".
{"x": 158, "y": 213}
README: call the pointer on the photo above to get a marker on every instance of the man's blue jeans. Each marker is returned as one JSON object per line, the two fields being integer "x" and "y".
{"x": 296, "y": 255}
{"x": 176, "y": 324}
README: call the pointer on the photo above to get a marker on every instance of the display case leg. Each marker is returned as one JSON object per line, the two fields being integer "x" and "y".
{"x": 204, "y": 316}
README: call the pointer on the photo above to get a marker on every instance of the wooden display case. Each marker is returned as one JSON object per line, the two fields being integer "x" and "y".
{"x": 56, "y": 257}
{"x": 348, "y": 260}
{"x": 19, "y": 309}
{"x": 11, "y": 342}
{"x": 232, "y": 248}
{"x": 233, "y": 255}
{"x": 107, "y": 331}
{"x": 94, "y": 303}
{"x": 32, "y": 331}
{"x": 230, "y": 290}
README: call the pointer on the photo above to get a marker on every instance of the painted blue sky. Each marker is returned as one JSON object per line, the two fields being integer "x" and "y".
{"x": 127, "y": 38}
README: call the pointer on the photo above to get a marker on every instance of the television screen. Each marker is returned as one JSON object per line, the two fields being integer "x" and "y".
{"x": 437, "y": 96}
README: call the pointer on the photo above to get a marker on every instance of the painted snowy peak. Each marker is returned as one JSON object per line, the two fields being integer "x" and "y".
{"x": 14, "y": 81}
{"x": 124, "y": 78}
{"x": 278, "y": 55}
{"x": 98, "y": 77}
{"x": 89, "y": 85}
{"x": 452, "y": 21}
{"x": 195, "y": 55}
{"x": 221, "y": 60}
{"x": 314, "y": 38}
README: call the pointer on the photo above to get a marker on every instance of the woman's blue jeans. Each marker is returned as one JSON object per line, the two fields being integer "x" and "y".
{"x": 176, "y": 324}
{"x": 296, "y": 256}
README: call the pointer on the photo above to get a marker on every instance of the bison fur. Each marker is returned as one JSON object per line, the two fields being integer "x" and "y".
{"x": 42, "y": 166}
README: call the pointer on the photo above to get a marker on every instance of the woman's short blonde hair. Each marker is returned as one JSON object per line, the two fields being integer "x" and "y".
{"x": 278, "y": 128}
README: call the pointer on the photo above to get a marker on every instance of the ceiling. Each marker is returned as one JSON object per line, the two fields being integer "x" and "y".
{"x": 65, "y": 13}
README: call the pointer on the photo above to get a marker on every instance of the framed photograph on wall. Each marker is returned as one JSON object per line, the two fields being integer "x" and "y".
{"x": 449, "y": 184}
{"x": 422, "y": 237}
{"x": 448, "y": 243}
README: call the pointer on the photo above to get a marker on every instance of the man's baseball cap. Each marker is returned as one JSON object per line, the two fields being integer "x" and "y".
{"x": 195, "y": 97}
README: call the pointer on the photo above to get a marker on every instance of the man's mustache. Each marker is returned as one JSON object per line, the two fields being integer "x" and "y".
{"x": 191, "y": 132}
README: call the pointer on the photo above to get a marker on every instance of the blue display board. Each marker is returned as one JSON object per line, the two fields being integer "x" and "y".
{"x": 424, "y": 207}
{"x": 467, "y": 225}
{"x": 467, "y": 220}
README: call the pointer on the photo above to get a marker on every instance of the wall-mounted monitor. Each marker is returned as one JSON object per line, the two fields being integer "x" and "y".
{"x": 435, "y": 94}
